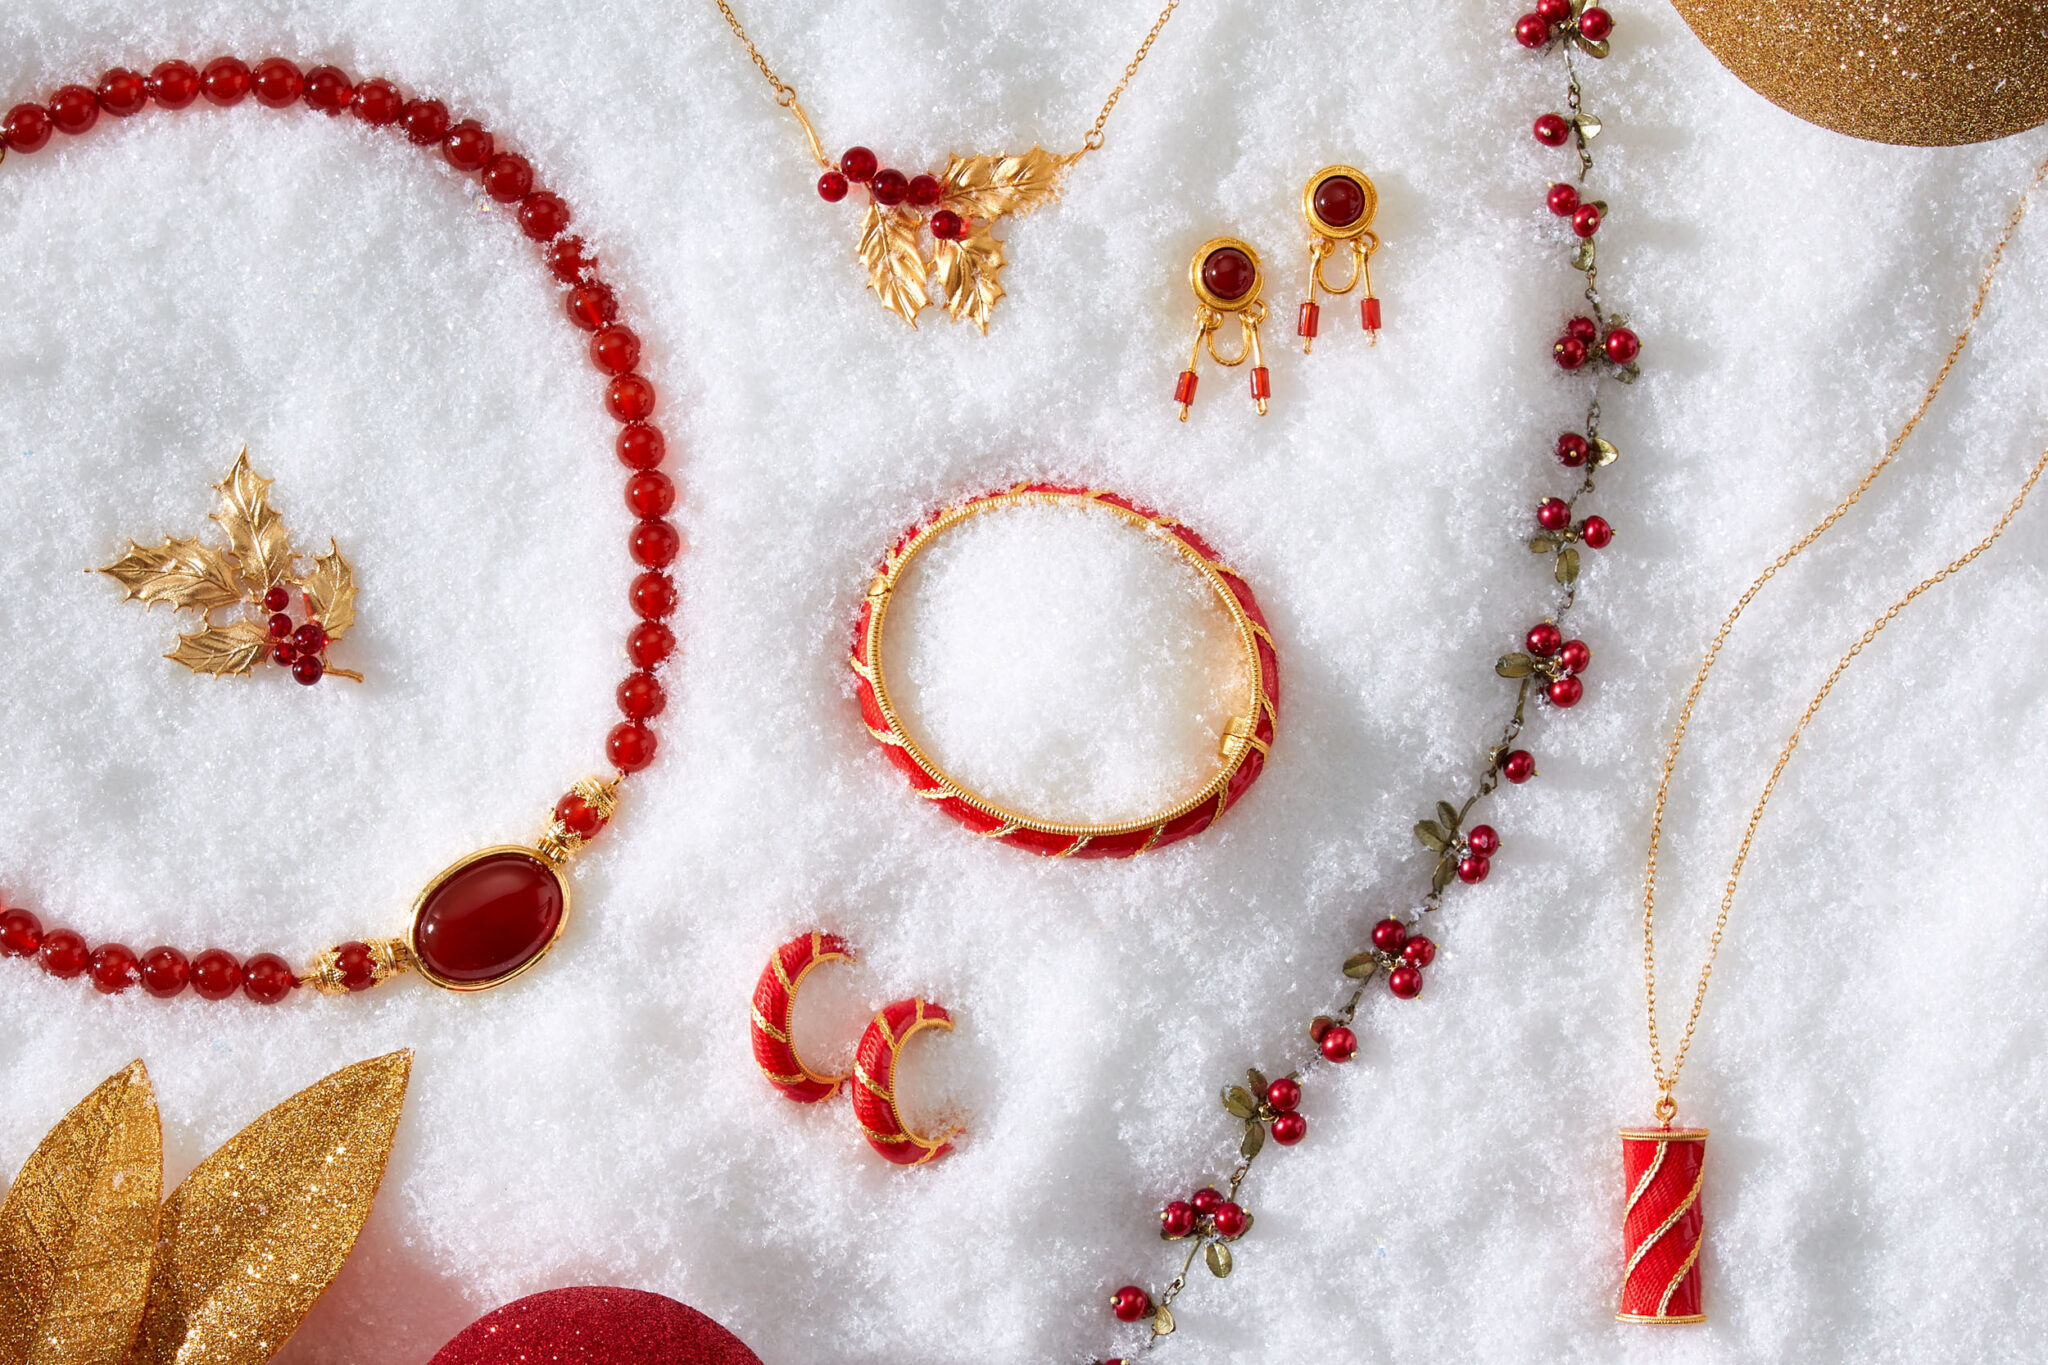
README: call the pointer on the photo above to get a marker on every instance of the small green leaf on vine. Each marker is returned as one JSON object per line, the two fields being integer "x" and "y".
{"x": 1254, "y": 1139}
{"x": 1515, "y": 665}
{"x": 1238, "y": 1102}
{"x": 1359, "y": 966}
{"x": 1568, "y": 566}
{"x": 1219, "y": 1259}
{"x": 1432, "y": 835}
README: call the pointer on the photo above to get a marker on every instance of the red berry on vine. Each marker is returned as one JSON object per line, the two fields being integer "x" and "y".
{"x": 1596, "y": 533}
{"x": 1284, "y": 1094}
{"x": 1572, "y": 450}
{"x": 1551, "y": 130}
{"x": 276, "y": 598}
{"x": 1574, "y": 657}
{"x": 1570, "y": 353}
{"x": 1566, "y": 691}
{"x": 1472, "y": 868}
{"x": 1554, "y": 11}
{"x": 1596, "y": 23}
{"x": 1623, "y": 345}
{"x": 1582, "y": 329}
{"x": 1130, "y": 1303}
{"x": 1562, "y": 200}
{"x": 1586, "y": 221}
{"x": 1482, "y": 840}
{"x": 1340, "y": 1044}
{"x": 1206, "y": 1200}
{"x": 1553, "y": 514}
{"x": 890, "y": 188}
{"x": 1405, "y": 982}
{"x": 1543, "y": 639}
{"x": 1531, "y": 31}
{"x": 308, "y": 669}
{"x": 285, "y": 655}
{"x": 1388, "y": 936}
{"x": 1518, "y": 767}
{"x": 309, "y": 638}
{"x": 1229, "y": 1220}
{"x": 1419, "y": 953}
{"x": 924, "y": 190}
{"x": 1289, "y": 1129}
{"x": 858, "y": 164}
{"x": 1177, "y": 1219}
{"x": 280, "y": 625}
{"x": 832, "y": 187}
{"x": 948, "y": 226}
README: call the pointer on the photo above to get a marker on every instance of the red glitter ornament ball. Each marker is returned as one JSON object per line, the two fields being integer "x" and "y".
{"x": 595, "y": 1326}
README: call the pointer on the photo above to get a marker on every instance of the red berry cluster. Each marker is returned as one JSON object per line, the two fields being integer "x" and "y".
{"x": 1566, "y": 19}
{"x": 890, "y": 189}
{"x": 1402, "y": 954}
{"x": 1206, "y": 1212}
{"x": 301, "y": 646}
{"x": 163, "y": 972}
{"x": 1584, "y": 340}
{"x": 1557, "y": 660}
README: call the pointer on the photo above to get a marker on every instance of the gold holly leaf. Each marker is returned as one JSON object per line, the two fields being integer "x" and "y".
{"x": 897, "y": 270}
{"x": 985, "y": 187}
{"x": 222, "y": 650}
{"x": 184, "y": 573}
{"x": 79, "y": 1228}
{"x": 331, "y": 592}
{"x": 967, "y": 274}
{"x": 256, "y": 1233}
{"x": 256, "y": 533}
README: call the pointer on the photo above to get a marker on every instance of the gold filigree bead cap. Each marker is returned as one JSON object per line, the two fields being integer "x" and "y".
{"x": 1924, "y": 73}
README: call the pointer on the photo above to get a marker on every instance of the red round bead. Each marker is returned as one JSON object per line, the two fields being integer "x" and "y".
{"x": 307, "y": 670}
{"x": 508, "y": 177}
{"x": 1339, "y": 1044}
{"x": 1473, "y": 868}
{"x": 641, "y": 446}
{"x": 1582, "y": 329}
{"x": 378, "y": 103}
{"x": 890, "y": 188}
{"x": 280, "y": 628}
{"x": 468, "y": 146}
{"x": 1531, "y": 31}
{"x": 122, "y": 92}
{"x": 1574, "y": 657}
{"x": 74, "y": 109}
{"x": 309, "y": 638}
{"x": 858, "y": 164}
{"x": 425, "y": 122}
{"x": 1551, "y": 130}
{"x": 1229, "y": 1220}
{"x": 653, "y": 596}
{"x": 64, "y": 953}
{"x": 1622, "y": 345}
{"x": 641, "y": 697}
{"x": 544, "y": 215}
{"x": 329, "y": 91}
{"x": 225, "y": 81}
{"x": 114, "y": 968}
{"x": 1596, "y": 23}
{"x": 1553, "y": 514}
{"x": 578, "y": 816}
{"x": 832, "y": 187}
{"x": 592, "y": 304}
{"x": 277, "y": 83}
{"x": 1420, "y": 952}
{"x": 1289, "y": 1129}
{"x": 630, "y": 746}
{"x": 1228, "y": 273}
{"x": 1586, "y": 221}
{"x": 650, "y": 493}
{"x": 615, "y": 349}
{"x": 174, "y": 85}
{"x": 356, "y": 966}
{"x": 216, "y": 974}
{"x": 165, "y": 972}
{"x": 285, "y": 655}
{"x": 1519, "y": 766}
{"x": 1570, "y": 353}
{"x": 1130, "y": 1303}
{"x": 1177, "y": 1219}
{"x": 1482, "y": 839}
{"x": 650, "y": 644}
{"x": 276, "y": 598}
{"x": 1405, "y": 982}
{"x": 1597, "y": 533}
{"x": 569, "y": 261}
{"x": 1554, "y": 11}
{"x": 1562, "y": 200}
{"x": 1283, "y": 1094}
{"x": 21, "y": 933}
{"x": 1206, "y": 1200}
{"x": 924, "y": 190}
{"x": 28, "y": 128}
{"x": 1388, "y": 935}
{"x": 1566, "y": 691}
{"x": 654, "y": 544}
{"x": 266, "y": 979}
{"x": 1543, "y": 639}
{"x": 1572, "y": 450}
{"x": 948, "y": 226}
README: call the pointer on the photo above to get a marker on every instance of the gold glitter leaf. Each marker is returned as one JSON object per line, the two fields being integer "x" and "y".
{"x": 256, "y": 1233}
{"x": 184, "y": 573}
{"x": 967, "y": 275}
{"x": 220, "y": 651}
{"x": 78, "y": 1229}
{"x": 331, "y": 592}
{"x": 897, "y": 270}
{"x": 255, "y": 532}
{"x": 985, "y": 187}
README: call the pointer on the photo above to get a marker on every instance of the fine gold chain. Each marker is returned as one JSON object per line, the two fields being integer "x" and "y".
{"x": 785, "y": 93}
{"x": 1668, "y": 1081}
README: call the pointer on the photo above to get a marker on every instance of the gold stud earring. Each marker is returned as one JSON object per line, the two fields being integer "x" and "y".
{"x": 1339, "y": 203}
{"x": 1227, "y": 282}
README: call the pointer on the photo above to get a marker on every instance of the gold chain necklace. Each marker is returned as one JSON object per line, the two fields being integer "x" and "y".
{"x": 1663, "y": 1165}
{"x": 919, "y": 226}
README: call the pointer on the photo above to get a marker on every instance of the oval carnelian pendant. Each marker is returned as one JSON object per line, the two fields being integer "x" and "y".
{"x": 488, "y": 918}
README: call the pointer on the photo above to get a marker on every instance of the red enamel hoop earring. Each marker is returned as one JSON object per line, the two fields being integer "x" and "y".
{"x": 874, "y": 1091}
{"x": 774, "y": 999}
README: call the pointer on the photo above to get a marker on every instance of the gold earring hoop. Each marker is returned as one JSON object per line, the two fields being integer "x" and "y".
{"x": 1339, "y": 203}
{"x": 1228, "y": 281}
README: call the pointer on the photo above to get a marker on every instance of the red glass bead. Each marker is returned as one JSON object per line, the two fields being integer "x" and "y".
{"x": 1206, "y": 1200}
{"x": 277, "y": 83}
{"x": 924, "y": 190}
{"x": 1518, "y": 767}
{"x": 1339, "y": 1044}
{"x": 74, "y": 109}
{"x": 1177, "y": 1219}
{"x": 225, "y": 81}
{"x": 468, "y": 146}
{"x": 641, "y": 697}
{"x": 544, "y": 215}
{"x": 1543, "y": 639}
{"x": 174, "y": 85}
{"x": 308, "y": 669}
{"x": 310, "y": 638}
{"x": 650, "y": 644}
{"x": 654, "y": 544}
{"x": 64, "y": 953}
{"x": 630, "y": 746}
{"x": 1184, "y": 388}
{"x": 216, "y": 974}
{"x": 266, "y": 979}
{"x": 355, "y": 965}
{"x": 592, "y": 304}
{"x": 1566, "y": 692}
{"x": 285, "y": 655}
{"x": 569, "y": 260}
{"x": 508, "y": 177}
{"x": 1229, "y": 1220}
{"x": 832, "y": 187}
{"x": 114, "y": 968}
{"x": 615, "y": 350}
{"x": 1575, "y": 657}
{"x": 1531, "y": 31}
{"x": 1405, "y": 982}
{"x": 1339, "y": 201}
{"x": 165, "y": 972}
{"x": 21, "y": 933}
{"x": 1289, "y": 1129}
{"x": 1553, "y": 514}
{"x": 425, "y": 122}
{"x": 578, "y": 816}
{"x": 1582, "y": 329}
{"x": 28, "y": 128}
{"x": 1308, "y": 320}
{"x": 1369, "y": 313}
{"x": 1262, "y": 382}
{"x": 1622, "y": 345}
{"x": 1596, "y": 533}
{"x": 1551, "y": 130}
{"x": 1554, "y": 11}
{"x": 488, "y": 919}
{"x": 1473, "y": 868}
{"x": 1228, "y": 273}
{"x": 1596, "y": 23}
{"x": 1130, "y": 1303}
{"x": 650, "y": 493}
{"x": 280, "y": 626}
{"x": 1482, "y": 839}
{"x": 1586, "y": 221}
{"x": 1572, "y": 450}
{"x": 890, "y": 188}
{"x": 1570, "y": 353}
{"x": 276, "y": 598}
{"x": 1388, "y": 935}
{"x": 948, "y": 226}
{"x": 641, "y": 446}
{"x": 378, "y": 103}
{"x": 1563, "y": 199}
{"x": 858, "y": 164}
{"x": 1420, "y": 952}
{"x": 329, "y": 91}
{"x": 1284, "y": 1093}
{"x": 654, "y": 596}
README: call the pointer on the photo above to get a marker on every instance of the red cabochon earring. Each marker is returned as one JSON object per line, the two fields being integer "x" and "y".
{"x": 1227, "y": 281}
{"x": 1339, "y": 203}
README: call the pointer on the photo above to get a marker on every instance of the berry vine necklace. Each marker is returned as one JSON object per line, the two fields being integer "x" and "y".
{"x": 963, "y": 203}
{"x": 495, "y": 913}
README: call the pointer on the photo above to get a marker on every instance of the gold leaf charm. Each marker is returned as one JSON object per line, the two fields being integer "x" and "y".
{"x": 184, "y": 573}
{"x": 221, "y": 651}
{"x": 986, "y": 187}
{"x": 890, "y": 249}
{"x": 79, "y": 1228}
{"x": 967, "y": 275}
{"x": 256, "y": 534}
{"x": 331, "y": 592}
{"x": 256, "y": 1233}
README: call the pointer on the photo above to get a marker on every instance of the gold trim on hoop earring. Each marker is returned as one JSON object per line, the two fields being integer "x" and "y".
{"x": 1339, "y": 203}
{"x": 1228, "y": 281}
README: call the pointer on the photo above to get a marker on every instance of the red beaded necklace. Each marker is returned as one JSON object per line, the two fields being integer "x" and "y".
{"x": 495, "y": 913}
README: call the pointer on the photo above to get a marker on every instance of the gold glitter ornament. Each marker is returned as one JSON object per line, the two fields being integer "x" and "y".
{"x": 78, "y": 1229}
{"x": 1912, "y": 72}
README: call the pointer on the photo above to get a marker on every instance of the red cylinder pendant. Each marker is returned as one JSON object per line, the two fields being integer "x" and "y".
{"x": 1661, "y": 1229}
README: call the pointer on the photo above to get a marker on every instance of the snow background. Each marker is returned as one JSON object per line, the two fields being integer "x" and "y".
{"x": 1872, "y": 1057}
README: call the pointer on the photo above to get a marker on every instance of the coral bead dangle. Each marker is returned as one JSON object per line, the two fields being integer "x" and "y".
{"x": 1339, "y": 203}
{"x": 1228, "y": 282}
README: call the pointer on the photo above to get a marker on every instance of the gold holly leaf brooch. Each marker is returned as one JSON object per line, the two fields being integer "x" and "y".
{"x": 256, "y": 572}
